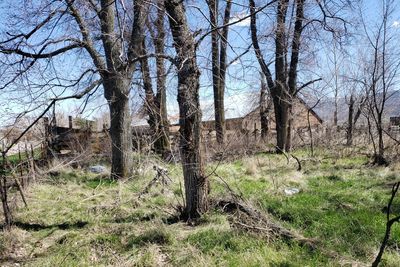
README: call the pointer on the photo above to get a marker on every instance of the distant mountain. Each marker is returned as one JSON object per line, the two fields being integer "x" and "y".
{"x": 326, "y": 108}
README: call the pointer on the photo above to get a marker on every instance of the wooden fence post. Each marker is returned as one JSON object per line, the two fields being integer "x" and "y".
{"x": 3, "y": 192}
{"x": 32, "y": 164}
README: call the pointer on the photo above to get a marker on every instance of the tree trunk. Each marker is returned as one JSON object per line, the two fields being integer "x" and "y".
{"x": 380, "y": 156}
{"x": 281, "y": 119}
{"x": 263, "y": 109}
{"x": 162, "y": 144}
{"x": 116, "y": 75}
{"x": 156, "y": 105}
{"x": 283, "y": 89}
{"x": 218, "y": 91}
{"x": 350, "y": 124}
{"x": 4, "y": 201}
{"x": 383, "y": 245}
{"x": 196, "y": 183}
{"x": 288, "y": 145}
{"x": 117, "y": 94}
{"x": 280, "y": 92}
{"x": 294, "y": 61}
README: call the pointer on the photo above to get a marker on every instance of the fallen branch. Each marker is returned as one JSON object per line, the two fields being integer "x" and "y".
{"x": 161, "y": 176}
{"x": 20, "y": 189}
{"x": 389, "y": 224}
{"x": 298, "y": 162}
{"x": 262, "y": 223}
{"x": 284, "y": 153}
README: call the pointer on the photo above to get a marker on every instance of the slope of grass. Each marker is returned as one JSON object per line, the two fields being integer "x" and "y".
{"x": 76, "y": 218}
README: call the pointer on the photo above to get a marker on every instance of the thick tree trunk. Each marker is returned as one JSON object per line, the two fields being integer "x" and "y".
{"x": 292, "y": 75}
{"x": 117, "y": 94}
{"x": 116, "y": 75}
{"x": 283, "y": 89}
{"x": 196, "y": 184}
{"x": 281, "y": 119}
{"x": 280, "y": 93}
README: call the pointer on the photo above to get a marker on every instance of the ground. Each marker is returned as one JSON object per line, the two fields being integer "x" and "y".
{"x": 76, "y": 218}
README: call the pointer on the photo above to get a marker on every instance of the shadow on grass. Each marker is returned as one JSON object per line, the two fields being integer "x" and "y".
{"x": 38, "y": 227}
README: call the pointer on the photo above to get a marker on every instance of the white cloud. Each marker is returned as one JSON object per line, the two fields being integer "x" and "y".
{"x": 243, "y": 23}
{"x": 396, "y": 24}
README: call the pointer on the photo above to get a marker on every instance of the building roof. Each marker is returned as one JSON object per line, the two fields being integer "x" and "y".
{"x": 236, "y": 106}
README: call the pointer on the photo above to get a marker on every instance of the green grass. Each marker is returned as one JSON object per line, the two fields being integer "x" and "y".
{"x": 16, "y": 158}
{"x": 76, "y": 218}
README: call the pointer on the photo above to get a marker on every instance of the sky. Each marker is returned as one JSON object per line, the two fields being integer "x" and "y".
{"x": 243, "y": 76}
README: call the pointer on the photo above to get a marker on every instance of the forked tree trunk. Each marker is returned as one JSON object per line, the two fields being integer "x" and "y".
{"x": 116, "y": 74}
{"x": 196, "y": 183}
{"x": 117, "y": 95}
{"x": 155, "y": 105}
{"x": 219, "y": 41}
{"x": 162, "y": 144}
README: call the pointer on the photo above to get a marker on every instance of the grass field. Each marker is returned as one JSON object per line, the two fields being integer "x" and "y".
{"x": 77, "y": 218}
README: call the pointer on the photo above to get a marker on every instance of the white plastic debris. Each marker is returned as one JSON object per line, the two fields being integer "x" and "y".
{"x": 97, "y": 169}
{"x": 291, "y": 191}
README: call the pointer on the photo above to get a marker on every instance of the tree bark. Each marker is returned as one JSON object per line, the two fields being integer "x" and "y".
{"x": 116, "y": 75}
{"x": 350, "y": 123}
{"x": 380, "y": 156}
{"x": 283, "y": 89}
{"x": 4, "y": 201}
{"x": 218, "y": 97}
{"x": 219, "y": 53}
{"x": 162, "y": 144}
{"x": 116, "y": 91}
{"x": 155, "y": 104}
{"x": 101, "y": 33}
{"x": 281, "y": 119}
{"x": 263, "y": 109}
{"x": 292, "y": 75}
{"x": 288, "y": 145}
{"x": 196, "y": 183}
{"x": 280, "y": 93}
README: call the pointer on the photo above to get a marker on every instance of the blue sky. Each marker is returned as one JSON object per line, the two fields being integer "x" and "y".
{"x": 243, "y": 76}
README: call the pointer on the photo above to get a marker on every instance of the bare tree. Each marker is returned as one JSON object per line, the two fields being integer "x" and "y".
{"x": 156, "y": 104}
{"x": 102, "y": 30}
{"x": 390, "y": 220}
{"x": 355, "y": 106}
{"x": 337, "y": 63}
{"x": 284, "y": 86}
{"x": 196, "y": 182}
{"x": 219, "y": 41}
{"x": 381, "y": 74}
